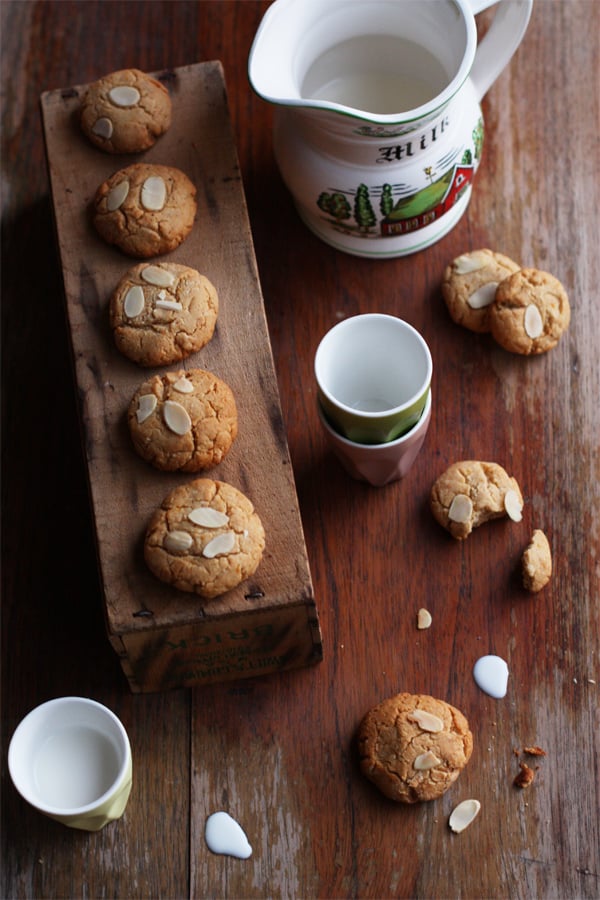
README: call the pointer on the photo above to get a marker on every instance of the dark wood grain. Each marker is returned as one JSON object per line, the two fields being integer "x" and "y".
{"x": 278, "y": 752}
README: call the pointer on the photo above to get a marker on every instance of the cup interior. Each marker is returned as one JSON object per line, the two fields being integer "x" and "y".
{"x": 373, "y": 365}
{"x": 68, "y": 755}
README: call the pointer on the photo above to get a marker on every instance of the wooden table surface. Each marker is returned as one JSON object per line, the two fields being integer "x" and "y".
{"x": 278, "y": 752}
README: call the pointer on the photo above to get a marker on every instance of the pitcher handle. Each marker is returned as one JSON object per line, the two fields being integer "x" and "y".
{"x": 500, "y": 42}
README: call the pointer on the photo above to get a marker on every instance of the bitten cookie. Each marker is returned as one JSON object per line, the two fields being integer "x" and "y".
{"x": 530, "y": 312}
{"x": 183, "y": 421}
{"x": 160, "y": 313}
{"x": 206, "y": 538}
{"x": 413, "y": 747}
{"x": 469, "y": 286}
{"x": 145, "y": 209}
{"x": 536, "y": 562}
{"x": 470, "y": 493}
{"x": 125, "y": 112}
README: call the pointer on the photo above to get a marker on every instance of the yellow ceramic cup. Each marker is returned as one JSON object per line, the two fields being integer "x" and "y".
{"x": 70, "y": 759}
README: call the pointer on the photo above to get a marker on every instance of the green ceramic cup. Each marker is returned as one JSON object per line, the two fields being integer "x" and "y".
{"x": 373, "y": 376}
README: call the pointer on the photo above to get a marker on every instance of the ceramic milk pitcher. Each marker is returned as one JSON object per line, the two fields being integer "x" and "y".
{"x": 378, "y": 128}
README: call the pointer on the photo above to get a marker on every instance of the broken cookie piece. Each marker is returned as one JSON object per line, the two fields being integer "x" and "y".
{"x": 470, "y": 493}
{"x": 413, "y": 746}
{"x": 536, "y": 562}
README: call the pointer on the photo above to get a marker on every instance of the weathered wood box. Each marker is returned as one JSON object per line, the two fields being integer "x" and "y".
{"x": 167, "y": 638}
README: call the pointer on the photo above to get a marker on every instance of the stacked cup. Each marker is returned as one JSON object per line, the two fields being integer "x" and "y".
{"x": 373, "y": 376}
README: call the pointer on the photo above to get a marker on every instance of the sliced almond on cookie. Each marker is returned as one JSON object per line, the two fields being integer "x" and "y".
{"x": 176, "y": 417}
{"x": 533, "y": 322}
{"x": 117, "y": 195}
{"x": 426, "y": 761}
{"x": 221, "y": 544}
{"x": 513, "y": 506}
{"x": 461, "y": 508}
{"x": 146, "y": 406}
{"x": 208, "y": 517}
{"x": 177, "y": 541}
{"x": 426, "y": 720}
{"x": 483, "y": 296}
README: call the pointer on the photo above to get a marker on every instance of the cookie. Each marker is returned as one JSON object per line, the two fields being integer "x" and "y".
{"x": 160, "y": 313}
{"x": 206, "y": 538}
{"x": 530, "y": 312}
{"x": 469, "y": 286}
{"x": 536, "y": 562}
{"x": 145, "y": 209}
{"x": 470, "y": 493}
{"x": 413, "y": 747}
{"x": 125, "y": 112}
{"x": 183, "y": 421}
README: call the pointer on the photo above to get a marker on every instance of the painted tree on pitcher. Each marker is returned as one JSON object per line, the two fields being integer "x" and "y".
{"x": 363, "y": 211}
{"x": 386, "y": 203}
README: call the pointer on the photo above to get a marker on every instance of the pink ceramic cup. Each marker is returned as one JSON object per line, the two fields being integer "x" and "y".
{"x": 378, "y": 464}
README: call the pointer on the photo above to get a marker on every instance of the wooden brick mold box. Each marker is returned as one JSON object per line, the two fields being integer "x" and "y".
{"x": 166, "y": 638}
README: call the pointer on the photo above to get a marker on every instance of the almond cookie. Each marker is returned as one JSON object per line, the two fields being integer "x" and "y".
{"x": 530, "y": 312}
{"x": 536, "y": 562}
{"x": 206, "y": 538}
{"x": 160, "y": 313}
{"x": 183, "y": 421}
{"x": 470, "y": 493}
{"x": 469, "y": 286}
{"x": 145, "y": 209}
{"x": 125, "y": 112}
{"x": 413, "y": 747}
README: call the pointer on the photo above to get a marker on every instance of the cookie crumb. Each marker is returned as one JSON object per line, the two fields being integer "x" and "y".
{"x": 525, "y": 776}
{"x": 534, "y": 751}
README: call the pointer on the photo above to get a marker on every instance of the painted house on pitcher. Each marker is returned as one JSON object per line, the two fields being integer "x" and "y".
{"x": 404, "y": 218}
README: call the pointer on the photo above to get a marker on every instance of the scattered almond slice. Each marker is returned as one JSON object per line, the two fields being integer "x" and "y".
{"x": 426, "y": 761}
{"x": 426, "y": 720}
{"x": 124, "y": 95}
{"x": 483, "y": 296}
{"x": 134, "y": 301}
{"x": 533, "y": 322}
{"x": 153, "y": 195}
{"x": 463, "y": 815}
{"x": 208, "y": 517}
{"x": 423, "y": 619}
{"x": 176, "y": 417}
{"x": 513, "y": 506}
{"x": 461, "y": 508}
{"x": 117, "y": 195}
{"x": 103, "y": 127}
{"x": 177, "y": 541}
{"x": 146, "y": 406}
{"x": 158, "y": 276}
{"x": 222, "y": 543}
{"x": 183, "y": 385}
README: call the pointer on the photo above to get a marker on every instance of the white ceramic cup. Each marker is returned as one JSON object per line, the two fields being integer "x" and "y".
{"x": 379, "y": 464}
{"x": 373, "y": 375}
{"x": 70, "y": 758}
